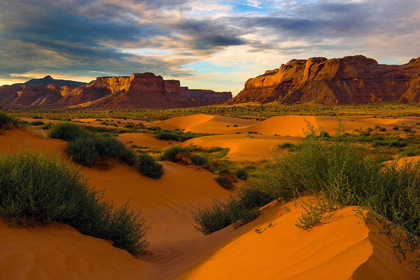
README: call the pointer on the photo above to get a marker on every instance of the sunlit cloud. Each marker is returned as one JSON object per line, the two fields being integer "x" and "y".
{"x": 208, "y": 44}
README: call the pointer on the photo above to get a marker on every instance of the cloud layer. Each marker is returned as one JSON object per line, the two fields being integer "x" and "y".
{"x": 214, "y": 44}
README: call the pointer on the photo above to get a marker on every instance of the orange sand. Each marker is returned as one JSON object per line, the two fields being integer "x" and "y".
{"x": 243, "y": 147}
{"x": 281, "y": 125}
{"x": 201, "y": 123}
{"x": 341, "y": 249}
{"x": 14, "y": 140}
{"x": 144, "y": 139}
{"x": 296, "y": 125}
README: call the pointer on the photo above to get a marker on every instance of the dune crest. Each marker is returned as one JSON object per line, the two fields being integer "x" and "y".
{"x": 274, "y": 248}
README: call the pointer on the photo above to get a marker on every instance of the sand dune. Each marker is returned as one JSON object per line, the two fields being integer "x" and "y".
{"x": 243, "y": 147}
{"x": 61, "y": 252}
{"x": 280, "y": 125}
{"x": 144, "y": 139}
{"x": 296, "y": 125}
{"x": 201, "y": 123}
{"x": 15, "y": 140}
{"x": 343, "y": 248}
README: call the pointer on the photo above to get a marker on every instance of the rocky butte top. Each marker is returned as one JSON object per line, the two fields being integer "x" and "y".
{"x": 348, "y": 80}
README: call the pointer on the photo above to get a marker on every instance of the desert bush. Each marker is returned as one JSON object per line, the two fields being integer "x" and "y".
{"x": 7, "y": 121}
{"x": 226, "y": 180}
{"x": 99, "y": 151}
{"x": 171, "y": 152}
{"x": 47, "y": 126}
{"x": 67, "y": 131}
{"x": 324, "y": 134}
{"x": 212, "y": 219}
{"x": 35, "y": 188}
{"x": 241, "y": 173}
{"x": 344, "y": 174}
{"x": 148, "y": 166}
{"x": 36, "y": 123}
{"x": 199, "y": 160}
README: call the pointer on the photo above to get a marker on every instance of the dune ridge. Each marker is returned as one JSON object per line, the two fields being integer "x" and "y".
{"x": 344, "y": 247}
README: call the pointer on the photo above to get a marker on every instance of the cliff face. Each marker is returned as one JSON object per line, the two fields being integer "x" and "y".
{"x": 348, "y": 80}
{"x": 205, "y": 94}
{"x": 136, "y": 91}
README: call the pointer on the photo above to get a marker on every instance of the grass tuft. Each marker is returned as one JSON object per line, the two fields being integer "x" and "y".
{"x": 149, "y": 167}
{"x": 35, "y": 188}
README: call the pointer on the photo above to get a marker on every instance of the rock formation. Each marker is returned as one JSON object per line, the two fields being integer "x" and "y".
{"x": 348, "y": 80}
{"x": 136, "y": 91}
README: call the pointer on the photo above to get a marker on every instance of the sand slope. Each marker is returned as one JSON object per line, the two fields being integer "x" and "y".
{"x": 243, "y": 147}
{"x": 296, "y": 125}
{"x": 202, "y": 123}
{"x": 341, "y": 249}
{"x": 144, "y": 139}
{"x": 15, "y": 140}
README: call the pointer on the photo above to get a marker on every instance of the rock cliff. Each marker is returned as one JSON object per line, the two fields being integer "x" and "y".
{"x": 348, "y": 80}
{"x": 136, "y": 91}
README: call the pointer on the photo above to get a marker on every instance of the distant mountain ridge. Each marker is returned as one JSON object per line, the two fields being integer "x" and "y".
{"x": 349, "y": 80}
{"x": 140, "y": 90}
{"x": 48, "y": 80}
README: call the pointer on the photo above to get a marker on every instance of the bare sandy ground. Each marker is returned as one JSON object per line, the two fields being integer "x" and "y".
{"x": 343, "y": 248}
{"x": 274, "y": 248}
{"x": 281, "y": 125}
{"x": 243, "y": 147}
{"x": 144, "y": 139}
{"x": 201, "y": 123}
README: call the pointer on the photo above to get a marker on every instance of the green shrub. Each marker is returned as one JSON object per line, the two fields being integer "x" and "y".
{"x": 324, "y": 134}
{"x": 289, "y": 146}
{"x": 226, "y": 181}
{"x": 171, "y": 152}
{"x": 47, "y": 126}
{"x": 99, "y": 151}
{"x": 212, "y": 219}
{"x": 344, "y": 174}
{"x": 67, "y": 131}
{"x": 149, "y": 167}
{"x": 199, "y": 160}
{"x": 241, "y": 173}
{"x": 35, "y": 188}
{"x": 36, "y": 123}
{"x": 7, "y": 121}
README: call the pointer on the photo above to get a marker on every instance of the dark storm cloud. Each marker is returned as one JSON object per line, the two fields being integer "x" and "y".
{"x": 90, "y": 35}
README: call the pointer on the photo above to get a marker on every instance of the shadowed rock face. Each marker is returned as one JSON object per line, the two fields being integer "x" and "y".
{"x": 136, "y": 91}
{"x": 348, "y": 80}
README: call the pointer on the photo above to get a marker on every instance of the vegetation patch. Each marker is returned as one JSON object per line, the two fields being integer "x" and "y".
{"x": 99, "y": 151}
{"x": 35, "y": 188}
{"x": 343, "y": 174}
{"x": 148, "y": 166}
{"x": 7, "y": 121}
{"x": 67, "y": 131}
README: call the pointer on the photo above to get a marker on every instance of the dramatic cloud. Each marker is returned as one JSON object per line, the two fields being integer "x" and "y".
{"x": 213, "y": 43}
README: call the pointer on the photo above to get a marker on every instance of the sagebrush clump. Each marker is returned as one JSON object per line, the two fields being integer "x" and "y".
{"x": 7, "y": 121}
{"x": 67, "y": 131}
{"x": 343, "y": 174}
{"x": 148, "y": 166}
{"x": 35, "y": 188}
{"x": 99, "y": 151}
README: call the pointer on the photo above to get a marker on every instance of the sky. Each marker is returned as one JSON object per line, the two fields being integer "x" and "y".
{"x": 206, "y": 44}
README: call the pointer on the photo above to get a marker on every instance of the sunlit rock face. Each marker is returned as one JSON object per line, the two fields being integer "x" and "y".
{"x": 140, "y": 90}
{"x": 348, "y": 80}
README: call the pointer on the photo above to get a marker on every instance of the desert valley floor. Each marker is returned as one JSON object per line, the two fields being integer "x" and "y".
{"x": 270, "y": 247}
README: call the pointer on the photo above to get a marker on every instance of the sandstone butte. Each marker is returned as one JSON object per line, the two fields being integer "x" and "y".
{"x": 348, "y": 80}
{"x": 140, "y": 90}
